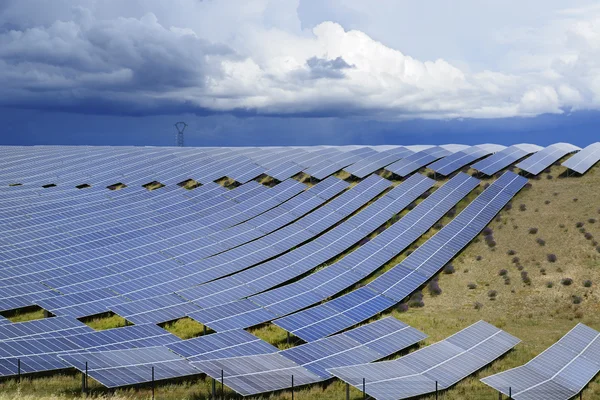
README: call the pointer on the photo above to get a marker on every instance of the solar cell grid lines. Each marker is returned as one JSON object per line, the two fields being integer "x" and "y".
{"x": 558, "y": 373}
{"x": 541, "y": 160}
{"x": 437, "y": 366}
{"x": 308, "y": 363}
{"x": 505, "y": 158}
{"x": 585, "y": 159}
{"x": 129, "y": 367}
{"x": 413, "y": 162}
{"x": 400, "y": 281}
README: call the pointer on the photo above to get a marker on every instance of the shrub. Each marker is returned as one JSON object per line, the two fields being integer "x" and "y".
{"x": 449, "y": 269}
{"x": 438, "y": 225}
{"x": 561, "y": 226}
{"x": 492, "y": 294}
{"x": 566, "y": 281}
{"x": 416, "y": 300}
{"x": 575, "y": 199}
{"x": 598, "y": 249}
{"x": 543, "y": 271}
{"x": 533, "y": 231}
{"x": 587, "y": 283}
{"x": 522, "y": 207}
{"x": 579, "y": 224}
{"x": 452, "y": 212}
{"x": 540, "y": 241}
{"x": 402, "y": 307}
{"x": 472, "y": 286}
{"x": 508, "y": 206}
{"x": 582, "y": 230}
{"x": 491, "y": 243}
{"x": 528, "y": 185}
{"x": 576, "y": 299}
{"x": 547, "y": 202}
{"x": 507, "y": 280}
{"x": 487, "y": 231}
{"x": 487, "y": 185}
{"x": 516, "y": 260}
{"x": 555, "y": 193}
{"x": 503, "y": 272}
{"x": 478, "y": 258}
{"x": 434, "y": 288}
{"x": 552, "y": 257}
{"x": 520, "y": 267}
{"x": 549, "y": 176}
{"x": 525, "y": 278}
{"x": 592, "y": 220}
{"x": 549, "y": 284}
{"x": 478, "y": 305}
{"x": 511, "y": 252}
{"x": 588, "y": 236}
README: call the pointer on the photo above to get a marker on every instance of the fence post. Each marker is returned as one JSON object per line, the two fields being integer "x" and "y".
{"x": 288, "y": 338}
{"x": 292, "y": 387}
{"x": 222, "y": 387}
{"x": 436, "y": 390}
{"x": 19, "y": 370}
{"x": 347, "y": 391}
{"x": 214, "y": 389}
{"x": 364, "y": 388}
{"x": 152, "y": 382}
{"x": 509, "y": 392}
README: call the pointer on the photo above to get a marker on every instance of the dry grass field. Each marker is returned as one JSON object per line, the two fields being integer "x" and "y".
{"x": 540, "y": 279}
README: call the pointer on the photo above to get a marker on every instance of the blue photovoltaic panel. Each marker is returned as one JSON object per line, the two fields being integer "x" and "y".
{"x": 129, "y": 367}
{"x": 334, "y": 278}
{"x": 541, "y": 160}
{"x": 440, "y": 365}
{"x": 585, "y": 159}
{"x": 453, "y": 162}
{"x": 308, "y": 363}
{"x": 400, "y": 281}
{"x": 233, "y": 343}
{"x": 377, "y": 161}
{"x": 558, "y": 373}
{"x": 505, "y": 158}
{"x": 413, "y": 162}
{"x": 47, "y": 327}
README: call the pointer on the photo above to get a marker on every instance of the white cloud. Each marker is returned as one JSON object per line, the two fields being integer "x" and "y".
{"x": 220, "y": 56}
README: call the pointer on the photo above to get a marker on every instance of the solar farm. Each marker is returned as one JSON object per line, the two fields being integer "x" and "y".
{"x": 325, "y": 272}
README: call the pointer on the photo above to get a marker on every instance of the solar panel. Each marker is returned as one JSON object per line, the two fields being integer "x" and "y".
{"x": 440, "y": 365}
{"x": 585, "y": 159}
{"x": 308, "y": 363}
{"x": 541, "y": 160}
{"x": 129, "y": 367}
{"x": 404, "y": 278}
{"x": 413, "y": 162}
{"x": 47, "y": 327}
{"x": 336, "y": 277}
{"x": 377, "y": 161}
{"x": 504, "y": 158}
{"x": 233, "y": 343}
{"x": 453, "y": 162}
{"x": 558, "y": 373}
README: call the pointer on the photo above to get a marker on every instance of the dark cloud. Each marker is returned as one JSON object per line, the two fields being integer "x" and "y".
{"x": 323, "y": 68}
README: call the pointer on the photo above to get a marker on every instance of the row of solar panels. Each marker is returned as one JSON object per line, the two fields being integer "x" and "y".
{"x": 162, "y": 283}
{"x": 106, "y": 166}
{"x": 126, "y": 356}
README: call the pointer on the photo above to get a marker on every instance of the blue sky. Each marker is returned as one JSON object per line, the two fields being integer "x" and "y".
{"x": 277, "y": 72}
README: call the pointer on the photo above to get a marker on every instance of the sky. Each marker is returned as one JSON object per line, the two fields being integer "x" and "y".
{"x": 299, "y": 72}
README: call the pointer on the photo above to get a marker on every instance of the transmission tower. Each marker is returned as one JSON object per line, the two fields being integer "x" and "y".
{"x": 180, "y": 126}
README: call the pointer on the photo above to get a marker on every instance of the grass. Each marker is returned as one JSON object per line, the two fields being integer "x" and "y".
{"x": 536, "y": 314}
{"x": 185, "y": 328}
{"x": 106, "y": 321}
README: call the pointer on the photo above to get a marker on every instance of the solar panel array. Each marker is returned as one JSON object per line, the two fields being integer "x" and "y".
{"x": 437, "y": 366}
{"x": 341, "y": 274}
{"x": 503, "y": 159}
{"x": 308, "y": 363}
{"x": 585, "y": 159}
{"x": 453, "y": 162}
{"x": 240, "y": 256}
{"x": 558, "y": 373}
{"x": 541, "y": 160}
{"x": 406, "y": 277}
